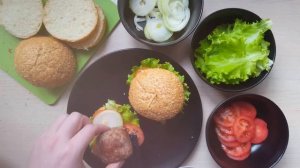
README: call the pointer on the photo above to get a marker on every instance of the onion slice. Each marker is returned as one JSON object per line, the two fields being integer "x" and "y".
{"x": 137, "y": 20}
{"x": 174, "y": 24}
{"x": 109, "y": 118}
{"x": 155, "y": 30}
{"x": 146, "y": 33}
{"x": 176, "y": 14}
{"x": 142, "y": 7}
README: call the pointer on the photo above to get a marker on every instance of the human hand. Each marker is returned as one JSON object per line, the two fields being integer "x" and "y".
{"x": 64, "y": 143}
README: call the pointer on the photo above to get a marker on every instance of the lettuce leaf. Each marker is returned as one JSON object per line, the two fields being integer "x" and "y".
{"x": 154, "y": 63}
{"x": 232, "y": 54}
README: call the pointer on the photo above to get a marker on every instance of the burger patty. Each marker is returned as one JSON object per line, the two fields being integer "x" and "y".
{"x": 113, "y": 146}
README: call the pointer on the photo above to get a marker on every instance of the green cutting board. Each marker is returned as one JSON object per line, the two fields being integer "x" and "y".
{"x": 8, "y": 43}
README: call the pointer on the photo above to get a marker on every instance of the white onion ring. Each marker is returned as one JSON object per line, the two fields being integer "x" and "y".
{"x": 138, "y": 19}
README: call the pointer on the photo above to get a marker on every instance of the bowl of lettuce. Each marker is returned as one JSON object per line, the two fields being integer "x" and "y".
{"x": 233, "y": 49}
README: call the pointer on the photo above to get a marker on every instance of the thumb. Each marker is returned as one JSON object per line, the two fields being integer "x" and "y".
{"x": 82, "y": 139}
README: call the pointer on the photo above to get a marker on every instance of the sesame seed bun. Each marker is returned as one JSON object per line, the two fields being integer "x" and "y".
{"x": 156, "y": 94}
{"x": 45, "y": 62}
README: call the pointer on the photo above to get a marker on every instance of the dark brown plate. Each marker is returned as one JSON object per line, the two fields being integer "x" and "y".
{"x": 166, "y": 145}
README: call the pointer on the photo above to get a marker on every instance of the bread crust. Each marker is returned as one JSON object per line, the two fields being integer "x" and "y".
{"x": 156, "y": 94}
{"x": 96, "y": 35}
{"x": 45, "y": 62}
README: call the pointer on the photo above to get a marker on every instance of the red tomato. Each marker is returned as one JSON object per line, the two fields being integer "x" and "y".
{"x": 238, "y": 151}
{"x": 245, "y": 109}
{"x": 239, "y": 158}
{"x": 243, "y": 129}
{"x": 259, "y": 121}
{"x": 229, "y": 144}
{"x": 225, "y": 116}
{"x": 226, "y": 130}
{"x": 135, "y": 130}
{"x": 261, "y": 131}
{"x": 224, "y": 136}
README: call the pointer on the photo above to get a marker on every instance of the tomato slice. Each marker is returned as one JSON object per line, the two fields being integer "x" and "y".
{"x": 224, "y": 136}
{"x": 261, "y": 131}
{"x": 135, "y": 130}
{"x": 238, "y": 151}
{"x": 244, "y": 129}
{"x": 226, "y": 116}
{"x": 229, "y": 144}
{"x": 239, "y": 158}
{"x": 226, "y": 130}
{"x": 245, "y": 109}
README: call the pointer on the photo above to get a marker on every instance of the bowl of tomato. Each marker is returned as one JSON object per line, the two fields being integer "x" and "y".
{"x": 247, "y": 131}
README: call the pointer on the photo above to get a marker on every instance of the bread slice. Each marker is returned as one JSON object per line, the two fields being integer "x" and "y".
{"x": 22, "y": 18}
{"x": 70, "y": 20}
{"x": 95, "y": 37}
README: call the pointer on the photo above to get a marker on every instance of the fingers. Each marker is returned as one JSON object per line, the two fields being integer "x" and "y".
{"x": 82, "y": 139}
{"x": 115, "y": 165}
{"x": 72, "y": 124}
{"x": 57, "y": 123}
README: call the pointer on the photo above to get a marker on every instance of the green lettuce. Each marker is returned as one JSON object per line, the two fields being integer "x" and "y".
{"x": 127, "y": 114}
{"x": 154, "y": 63}
{"x": 233, "y": 53}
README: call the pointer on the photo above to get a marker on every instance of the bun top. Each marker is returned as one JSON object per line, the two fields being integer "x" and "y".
{"x": 156, "y": 94}
{"x": 44, "y": 62}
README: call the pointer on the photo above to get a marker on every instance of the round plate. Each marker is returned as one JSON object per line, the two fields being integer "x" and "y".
{"x": 166, "y": 145}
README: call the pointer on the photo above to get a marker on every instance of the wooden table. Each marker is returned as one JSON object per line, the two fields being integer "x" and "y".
{"x": 23, "y": 117}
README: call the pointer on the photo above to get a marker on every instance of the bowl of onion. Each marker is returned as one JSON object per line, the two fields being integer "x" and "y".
{"x": 160, "y": 22}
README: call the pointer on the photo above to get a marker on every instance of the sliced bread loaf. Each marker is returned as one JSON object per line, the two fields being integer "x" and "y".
{"x": 70, "y": 20}
{"x": 95, "y": 37}
{"x": 22, "y": 18}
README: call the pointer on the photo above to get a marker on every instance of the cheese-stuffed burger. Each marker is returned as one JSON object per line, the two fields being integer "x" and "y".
{"x": 115, "y": 145}
{"x": 157, "y": 91}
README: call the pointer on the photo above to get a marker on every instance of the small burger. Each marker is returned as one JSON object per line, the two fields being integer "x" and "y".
{"x": 115, "y": 144}
{"x": 157, "y": 91}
